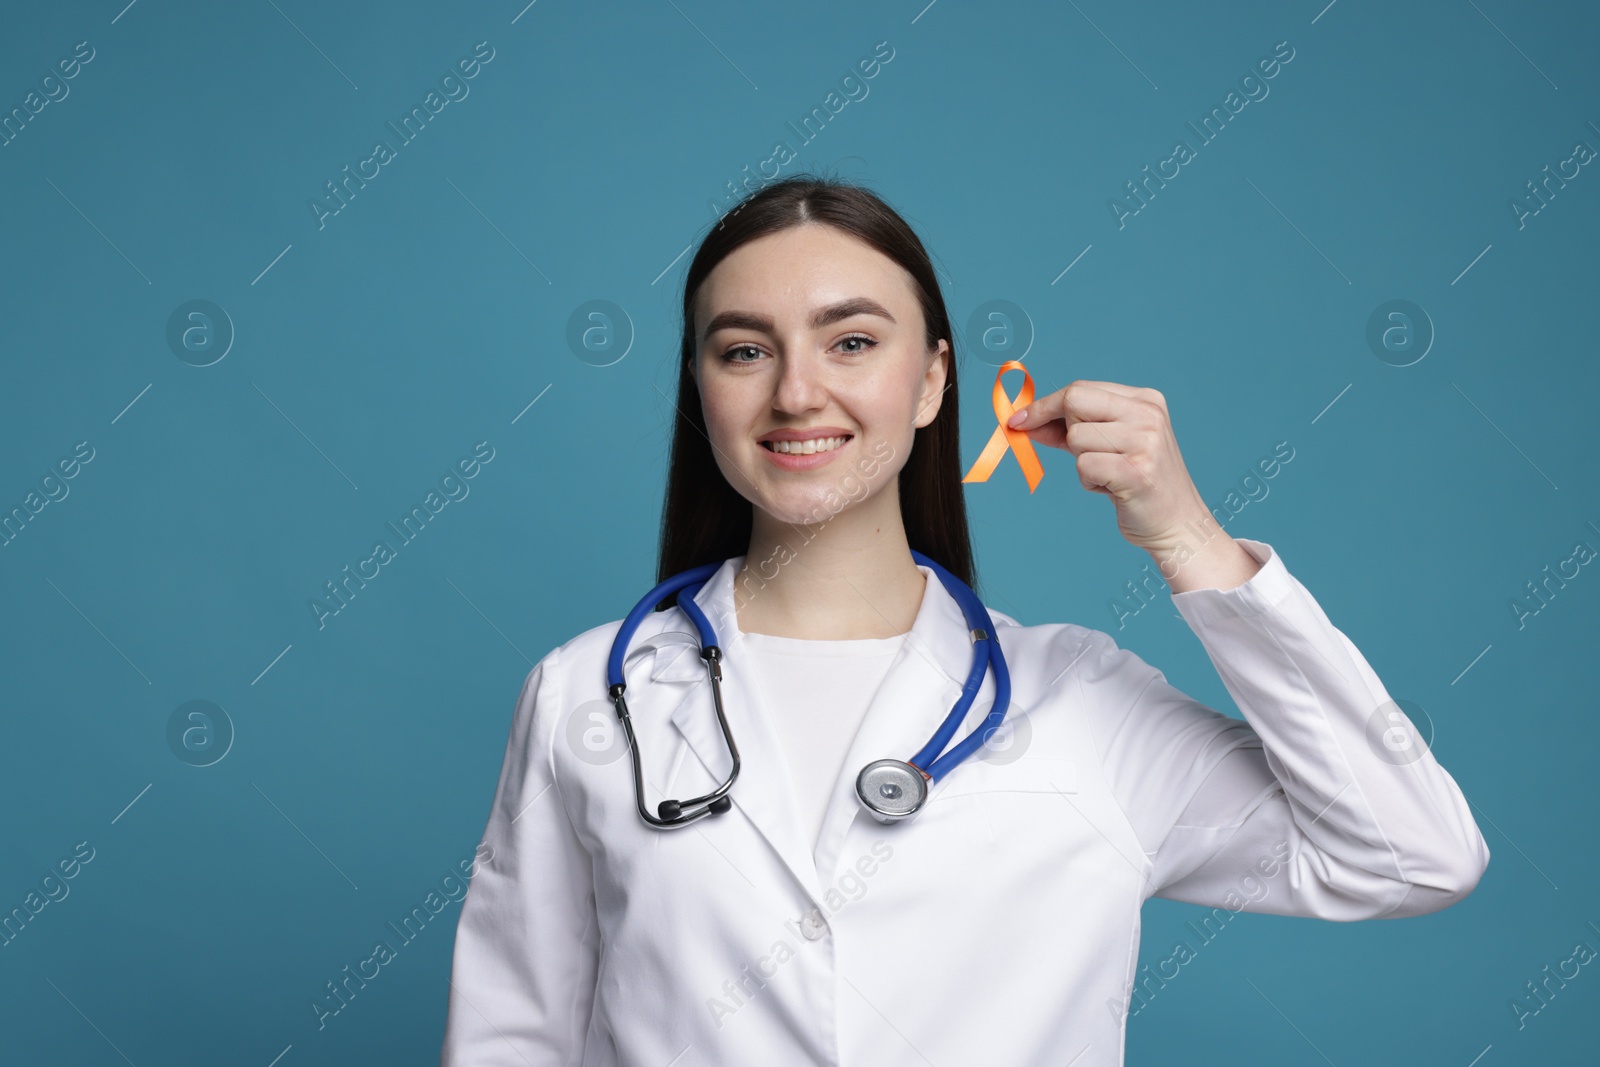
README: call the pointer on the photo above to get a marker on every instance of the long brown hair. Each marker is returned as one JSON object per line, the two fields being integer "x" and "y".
{"x": 703, "y": 518}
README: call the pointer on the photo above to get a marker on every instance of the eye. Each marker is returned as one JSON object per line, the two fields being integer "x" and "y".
{"x": 863, "y": 342}
{"x": 729, "y": 355}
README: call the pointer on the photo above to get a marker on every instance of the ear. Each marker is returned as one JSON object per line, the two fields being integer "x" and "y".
{"x": 931, "y": 397}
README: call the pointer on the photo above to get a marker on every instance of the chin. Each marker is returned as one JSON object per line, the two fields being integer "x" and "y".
{"x": 806, "y": 509}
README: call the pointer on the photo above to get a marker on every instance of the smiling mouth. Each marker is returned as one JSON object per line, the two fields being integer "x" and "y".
{"x": 807, "y": 447}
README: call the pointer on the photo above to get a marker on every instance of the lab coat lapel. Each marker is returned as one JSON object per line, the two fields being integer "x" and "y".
{"x": 763, "y": 790}
{"x": 918, "y": 691}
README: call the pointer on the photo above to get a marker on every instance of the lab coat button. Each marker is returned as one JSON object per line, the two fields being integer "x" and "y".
{"x": 813, "y": 925}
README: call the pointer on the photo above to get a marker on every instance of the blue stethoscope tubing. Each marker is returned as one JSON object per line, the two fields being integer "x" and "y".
{"x": 927, "y": 762}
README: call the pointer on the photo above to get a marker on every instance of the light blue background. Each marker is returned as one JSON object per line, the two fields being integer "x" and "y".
{"x": 432, "y": 311}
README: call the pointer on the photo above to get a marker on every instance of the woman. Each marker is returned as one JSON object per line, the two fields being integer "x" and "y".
{"x": 1000, "y": 924}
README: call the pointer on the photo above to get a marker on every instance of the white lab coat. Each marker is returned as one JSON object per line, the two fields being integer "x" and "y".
{"x": 999, "y": 925}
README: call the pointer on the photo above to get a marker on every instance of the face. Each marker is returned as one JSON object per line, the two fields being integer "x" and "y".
{"x": 812, "y": 334}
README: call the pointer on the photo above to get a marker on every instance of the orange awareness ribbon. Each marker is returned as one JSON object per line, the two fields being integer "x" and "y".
{"x": 1005, "y": 436}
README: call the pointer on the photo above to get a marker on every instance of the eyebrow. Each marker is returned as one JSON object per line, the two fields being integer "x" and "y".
{"x": 826, "y": 316}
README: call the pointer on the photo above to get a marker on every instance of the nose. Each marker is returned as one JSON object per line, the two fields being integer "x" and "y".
{"x": 800, "y": 386}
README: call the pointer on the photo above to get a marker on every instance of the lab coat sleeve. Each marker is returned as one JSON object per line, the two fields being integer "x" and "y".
{"x": 1295, "y": 810}
{"x": 523, "y": 970}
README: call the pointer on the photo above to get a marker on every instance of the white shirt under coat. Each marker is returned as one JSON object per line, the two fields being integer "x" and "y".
{"x": 815, "y": 694}
{"x": 998, "y": 925}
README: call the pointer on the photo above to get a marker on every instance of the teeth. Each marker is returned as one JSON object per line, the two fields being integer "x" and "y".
{"x": 806, "y": 448}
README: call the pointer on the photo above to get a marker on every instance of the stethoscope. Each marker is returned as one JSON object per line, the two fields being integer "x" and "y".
{"x": 889, "y": 789}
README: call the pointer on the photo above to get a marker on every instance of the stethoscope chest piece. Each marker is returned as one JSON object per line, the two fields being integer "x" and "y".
{"x": 891, "y": 789}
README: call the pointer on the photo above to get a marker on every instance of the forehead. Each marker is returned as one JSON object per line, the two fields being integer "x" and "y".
{"x": 788, "y": 273}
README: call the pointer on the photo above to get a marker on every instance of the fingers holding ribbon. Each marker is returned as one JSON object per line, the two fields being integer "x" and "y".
{"x": 1126, "y": 450}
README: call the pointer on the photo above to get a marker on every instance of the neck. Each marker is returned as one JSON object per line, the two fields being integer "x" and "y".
{"x": 848, "y": 577}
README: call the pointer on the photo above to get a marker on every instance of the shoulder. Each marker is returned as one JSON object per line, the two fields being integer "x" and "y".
{"x": 565, "y": 677}
{"x": 1054, "y": 638}
{"x": 578, "y": 665}
{"x": 1092, "y": 655}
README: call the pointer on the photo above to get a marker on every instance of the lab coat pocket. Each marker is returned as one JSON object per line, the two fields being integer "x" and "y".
{"x": 1025, "y": 775}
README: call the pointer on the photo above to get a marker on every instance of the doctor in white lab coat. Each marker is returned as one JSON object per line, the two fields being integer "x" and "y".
{"x": 1000, "y": 924}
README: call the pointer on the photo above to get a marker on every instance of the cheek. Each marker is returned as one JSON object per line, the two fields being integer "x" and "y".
{"x": 728, "y": 420}
{"x": 716, "y": 406}
{"x": 894, "y": 417}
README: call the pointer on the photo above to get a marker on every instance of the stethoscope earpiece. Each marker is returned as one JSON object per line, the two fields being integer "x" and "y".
{"x": 670, "y": 812}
